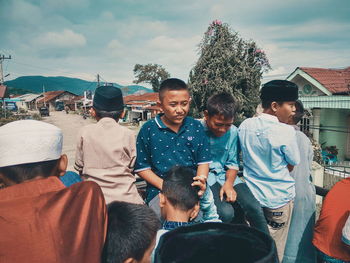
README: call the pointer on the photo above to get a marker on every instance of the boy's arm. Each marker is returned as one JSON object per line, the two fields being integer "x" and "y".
{"x": 201, "y": 177}
{"x": 79, "y": 155}
{"x": 150, "y": 177}
{"x": 227, "y": 188}
{"x": 232, "y": 166}
{"x": 291, "y": 150}
{"x": 208, "y": 207}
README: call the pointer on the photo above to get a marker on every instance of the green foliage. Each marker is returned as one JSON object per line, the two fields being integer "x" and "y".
{"x": 153, "y": 74}
{"x": 227, "y": 63}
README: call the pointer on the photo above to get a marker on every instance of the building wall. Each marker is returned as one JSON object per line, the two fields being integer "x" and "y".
{"x": 338, "y": 120}
{"x": 305, "y": 90}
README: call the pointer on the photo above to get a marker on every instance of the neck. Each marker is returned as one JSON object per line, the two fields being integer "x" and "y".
{"x": 177, "y": 215}
{"x": 269, "y": 111}
{"x": 172, "y": 126}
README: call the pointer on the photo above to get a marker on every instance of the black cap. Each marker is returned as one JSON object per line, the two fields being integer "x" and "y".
{"x": 108, "y": 98}
{"x": 215, "y": 242}
{"x": 279, "y": 90}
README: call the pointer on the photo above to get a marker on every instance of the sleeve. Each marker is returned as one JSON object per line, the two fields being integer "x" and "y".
{"x": 79, "y": 154}
{"x": 232, "y": 160}
{"x": 132, "y": 150}
{"x": 203, "y": 151}
{"x": 143, "y": 159}
{"x": 291, "y": 149}
{"x": 208, "y": 207}
{"x": 346, "y": 232}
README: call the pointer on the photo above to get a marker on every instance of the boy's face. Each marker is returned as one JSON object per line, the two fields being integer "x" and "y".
{"x": 285, "y": 111}
{"x": 218, "y": 124}
{"x": 175, "y": 105}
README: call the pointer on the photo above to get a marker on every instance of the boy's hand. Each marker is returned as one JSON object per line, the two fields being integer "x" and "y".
{"x": 201, "y": 182}
{"x": 227, "y": 189}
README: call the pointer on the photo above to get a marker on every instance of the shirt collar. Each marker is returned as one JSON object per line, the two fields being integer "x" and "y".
{"x": 269, "y": 117}
{"x": 170, "y": 225}
{"x": 161, "y": 124}
{"x": 31, "y": 188}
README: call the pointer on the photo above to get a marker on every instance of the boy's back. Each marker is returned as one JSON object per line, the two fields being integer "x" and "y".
{"x": 268, "y": 146}
{"x": 43, "y": 221}
{"x": 106, "y": 153}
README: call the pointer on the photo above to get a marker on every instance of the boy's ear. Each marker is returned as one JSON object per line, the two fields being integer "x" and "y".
{"x": 274, "y": 105}
{"x": 122, "y": 115}
{"x": 62, "y": 165}
{"x": 92, "y": 112}
{"x": 194, "y": 212}
{"x": 206, "y": 115}
{"x": 129, "y": 260}
{"x": 162, "y": 200}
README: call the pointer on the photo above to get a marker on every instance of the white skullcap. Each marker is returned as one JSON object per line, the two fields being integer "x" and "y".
{"x": 29, "y": 141}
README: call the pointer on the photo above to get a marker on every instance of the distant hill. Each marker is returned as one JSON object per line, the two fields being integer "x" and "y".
{"x": 34, "y": 84}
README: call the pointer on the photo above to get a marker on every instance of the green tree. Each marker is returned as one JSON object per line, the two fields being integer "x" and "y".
{"x": 227, "y": 63}
{"x": 153, "y": 74}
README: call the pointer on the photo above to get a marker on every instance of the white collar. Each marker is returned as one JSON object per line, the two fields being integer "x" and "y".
{"x": 268, "y": 117}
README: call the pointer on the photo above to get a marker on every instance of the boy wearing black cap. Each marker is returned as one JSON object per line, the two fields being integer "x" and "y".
{"x": 106, "y": 151}
{"x": 270, "y": 151}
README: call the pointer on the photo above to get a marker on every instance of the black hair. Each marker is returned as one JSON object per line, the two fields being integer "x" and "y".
{"x": 171, "y": 84}
{"x": 299, "y": 111}
{"x": 178, "y": 190}
{"x": 131, "y": 230}
{"x": 108, "y": 114}
{"x": 222, "y": 104}
{"x": 23, "y": 172}
{"x": 266, "y": 104}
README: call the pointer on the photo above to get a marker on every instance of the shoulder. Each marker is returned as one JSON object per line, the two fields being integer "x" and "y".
{"x": 247, "y": 122}
{"x": 87, "y": 129}
{"x": 196, "y": 124}
{"x": 149, "y": 125}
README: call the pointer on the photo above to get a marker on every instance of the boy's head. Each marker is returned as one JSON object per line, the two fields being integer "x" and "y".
{"x": 131, "y": 233}
{"x": 178, "y": 194}
{"x": 28, "y": 150}
{"x": 278, "y": 98}
{"x": 174, "y": 100}
{"x": 108, "y": 102}
{"x": 299, "y": 112}
{"x": 219, "y": 113}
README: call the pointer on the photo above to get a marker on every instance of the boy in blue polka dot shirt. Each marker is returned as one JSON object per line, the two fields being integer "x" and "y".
{"x": 171, "y": 139}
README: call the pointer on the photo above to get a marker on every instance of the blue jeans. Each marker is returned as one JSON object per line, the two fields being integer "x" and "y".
{"x": 251, "y": 207}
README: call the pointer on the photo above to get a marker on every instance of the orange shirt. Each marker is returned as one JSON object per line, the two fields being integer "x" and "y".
{"x": 328, "y": 229}
{"x": 43, "y": 221}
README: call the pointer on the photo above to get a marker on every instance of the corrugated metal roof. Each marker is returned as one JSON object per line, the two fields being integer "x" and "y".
{"x": 29, "y": 97}
{"x": 326, "y": 102}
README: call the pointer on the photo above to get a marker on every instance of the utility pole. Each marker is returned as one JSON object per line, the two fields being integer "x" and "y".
{"x": 2, "y": 58}
{"x": 98, "y": 80}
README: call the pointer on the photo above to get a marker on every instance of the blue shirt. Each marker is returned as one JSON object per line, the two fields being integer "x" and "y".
{"x": 159, "y": 148}
{"x": 224, "y": 153}
{"x": 268, "y": 146}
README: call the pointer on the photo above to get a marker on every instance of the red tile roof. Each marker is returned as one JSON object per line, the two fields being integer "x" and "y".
{"x": 151, "y": 97}
{"x": 334, "y": 80}
{"x": 2, "y": 91}
{"x": 50, "y": 95}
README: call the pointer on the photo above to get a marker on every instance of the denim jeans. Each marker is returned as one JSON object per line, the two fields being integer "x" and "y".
{"x": 246, "y": 200}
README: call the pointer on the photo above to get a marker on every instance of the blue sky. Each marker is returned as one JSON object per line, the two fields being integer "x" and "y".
{"x": 80, "y": 38}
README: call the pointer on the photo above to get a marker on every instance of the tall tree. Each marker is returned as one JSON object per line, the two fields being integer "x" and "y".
{"x": 227, "y": 63}
{"x": 153, "y": 74}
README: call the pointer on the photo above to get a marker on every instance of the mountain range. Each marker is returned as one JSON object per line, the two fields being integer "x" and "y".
{"x": 36, "y": 84}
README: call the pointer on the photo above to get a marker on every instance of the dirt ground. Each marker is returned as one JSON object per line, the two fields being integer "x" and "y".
{"x": 70, "y": 125}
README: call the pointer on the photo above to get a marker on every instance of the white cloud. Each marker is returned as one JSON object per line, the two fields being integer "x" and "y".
{"x": 65, "y": 39}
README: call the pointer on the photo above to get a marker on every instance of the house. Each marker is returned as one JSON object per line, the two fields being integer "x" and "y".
{"x": 51, "y": 98}
{"x": 141, "y": 107}
{"x": 326, "y": 94}
{"x": 28, "y": 101}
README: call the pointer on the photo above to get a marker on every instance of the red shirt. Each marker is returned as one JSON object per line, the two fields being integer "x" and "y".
{"x": 328, "y": 229}
{"x": 43, "y": 221}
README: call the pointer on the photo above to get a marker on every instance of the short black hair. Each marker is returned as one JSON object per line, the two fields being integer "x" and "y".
{"x": 221, "y": 104}
{"x": 131, "y": 230}
{"x": 23, "y": 172}
{"x": 299, "y": 111}
{"x": 108, "y": 114}
{"x": 266, "y": 104}
{"x": 171, "y": 84}
{"x": 178, "y": 190}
